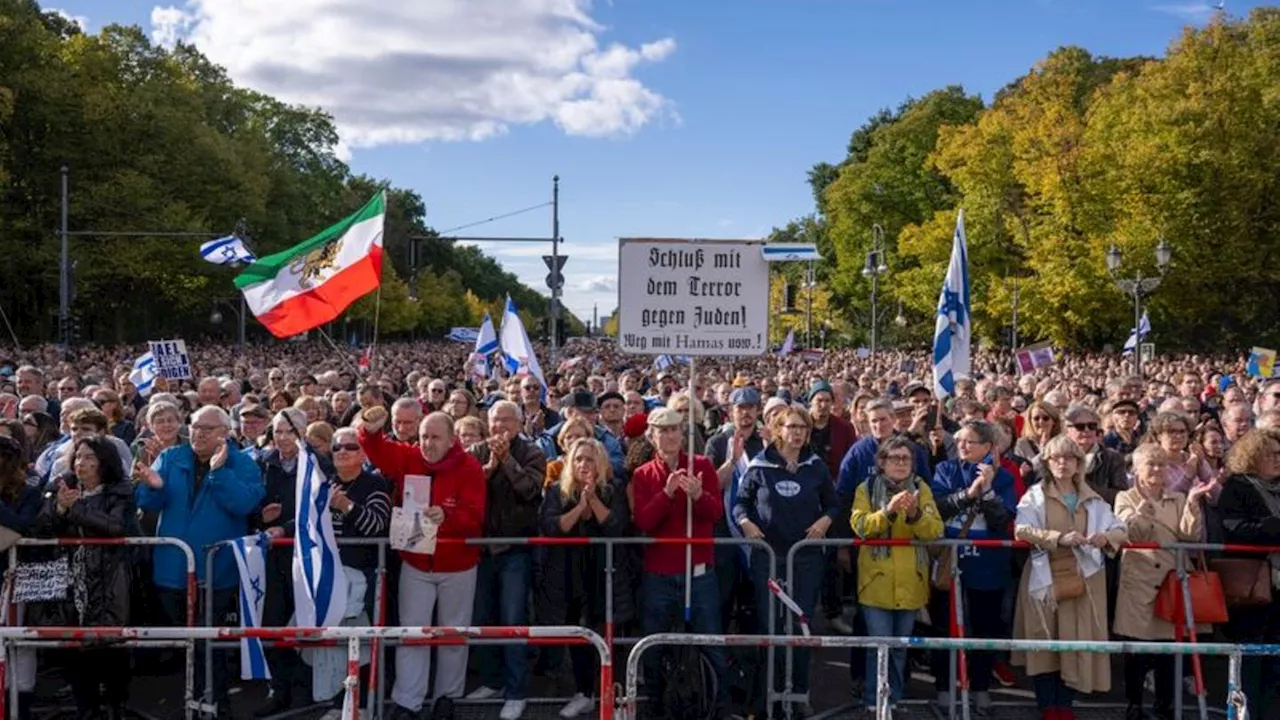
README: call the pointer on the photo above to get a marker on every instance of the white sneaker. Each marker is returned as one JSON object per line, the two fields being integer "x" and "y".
{"x": 512, "y": 710}
{"x": 578, "y": 705}
{"x": 483, "y": 693}
{"x": 842, "y": 626}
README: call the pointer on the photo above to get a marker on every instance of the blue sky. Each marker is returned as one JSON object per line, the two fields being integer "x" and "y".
{"x": 681, "y": 118}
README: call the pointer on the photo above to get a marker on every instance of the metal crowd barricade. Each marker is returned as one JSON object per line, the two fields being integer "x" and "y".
{"x": 959, "y": 675}
{"x": 130, "y": 637}
{"x": 377, "y": 675}
{"x": 1234, "y": 653}
{"x": 9, "y": 690}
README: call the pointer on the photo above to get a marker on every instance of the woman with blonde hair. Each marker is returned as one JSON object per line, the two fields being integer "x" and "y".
{"x": 470, "y": 430}
{"x": 587, "y": 501}
{"x": 571, "y": 431}
{"x": 1249, "y": 508}
{"x": 1063, "y": 591}
{"x": 1044, "y": 423}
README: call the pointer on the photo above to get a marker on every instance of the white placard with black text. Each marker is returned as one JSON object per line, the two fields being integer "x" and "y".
{"x": 172, "y": 360}
{"x": 692, "y": 297}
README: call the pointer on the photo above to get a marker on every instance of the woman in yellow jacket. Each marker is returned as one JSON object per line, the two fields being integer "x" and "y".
{"x": 893, "y": 582}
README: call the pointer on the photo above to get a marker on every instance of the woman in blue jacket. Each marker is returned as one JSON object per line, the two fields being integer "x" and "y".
{"x": 787, "y": 496}
{"x": 973, "y": 491}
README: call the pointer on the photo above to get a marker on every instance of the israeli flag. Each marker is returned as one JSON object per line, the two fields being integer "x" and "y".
{"x": 319, "y": 584}
{"x": 1138, "y": 334}
{"x": 251, "y": 559}
{"x": 788, "y": 345}
{"x": 662, "y": 362}
{"x": 951, "y": 332}
{"x": 144, "y": 374}
{"x": 515, "y": 345}
{"x": 226, "y": 251}
{"x": 486, "y": 344}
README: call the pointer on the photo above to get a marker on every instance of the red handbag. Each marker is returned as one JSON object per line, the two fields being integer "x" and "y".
{"x": 1208, "y": 601}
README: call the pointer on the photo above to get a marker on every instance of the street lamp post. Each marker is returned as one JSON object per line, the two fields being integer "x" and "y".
{"x": 1138, "y": 287}
{"x": 873, "y": 269}
{"x": 810, "y": 283}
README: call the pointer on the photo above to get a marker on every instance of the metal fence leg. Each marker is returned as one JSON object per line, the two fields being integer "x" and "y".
{"x": 352, "y": 700}
{"x": 883, "y": 689}
{"x": 1237, "y": 703}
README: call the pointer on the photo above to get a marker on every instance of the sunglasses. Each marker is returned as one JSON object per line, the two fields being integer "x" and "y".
{"x": 1085, "y": 426}
{"x": 349, "y": 447}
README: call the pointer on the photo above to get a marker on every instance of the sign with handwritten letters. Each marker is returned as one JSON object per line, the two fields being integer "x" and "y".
{"x": 692, "y": 297}
{"x": 172, "y": 360}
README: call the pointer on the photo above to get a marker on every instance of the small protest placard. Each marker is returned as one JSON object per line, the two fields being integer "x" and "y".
{"x": 411, "y": 529}
{"x": 172, "y": 360}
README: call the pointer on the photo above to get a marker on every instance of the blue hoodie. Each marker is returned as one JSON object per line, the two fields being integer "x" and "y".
{"x": 980, "y": 568}
{"x": 219, "y": 511}
{"x": 618, "y": 459}
{"x": 783, "y": 504}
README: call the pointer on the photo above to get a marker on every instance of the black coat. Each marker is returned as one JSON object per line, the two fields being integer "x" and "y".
{"x": 577, "y": 572}
{"x": 105, "y": 582}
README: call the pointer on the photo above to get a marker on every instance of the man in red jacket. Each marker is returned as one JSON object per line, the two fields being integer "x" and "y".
{"x": 446, "y": 579}
{"x": 663, "y": 488}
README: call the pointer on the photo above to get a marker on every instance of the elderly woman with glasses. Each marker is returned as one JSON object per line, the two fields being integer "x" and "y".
{"x": 1187, "y": 467}
{"x": 1063, "y": 591}
{"x": 977, "y": 500}
{"x": 893, "y": 581}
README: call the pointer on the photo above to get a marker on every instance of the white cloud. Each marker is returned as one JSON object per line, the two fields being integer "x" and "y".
{"x": 599, "y": 284}
{"x": 406, "y": 71}
{"x": 1193, "y": 12}
{"x": 80, "y": 20}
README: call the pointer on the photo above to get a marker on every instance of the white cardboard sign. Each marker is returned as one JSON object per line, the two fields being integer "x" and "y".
{"x": 692, "y": 297}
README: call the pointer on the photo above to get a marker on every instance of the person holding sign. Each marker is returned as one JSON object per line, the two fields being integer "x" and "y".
{"x": 454, "y": 484}
{"x": 662, "y": 488}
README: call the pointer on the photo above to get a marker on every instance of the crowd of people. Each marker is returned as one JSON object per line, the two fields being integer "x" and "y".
{"x": 1076, "y": 460}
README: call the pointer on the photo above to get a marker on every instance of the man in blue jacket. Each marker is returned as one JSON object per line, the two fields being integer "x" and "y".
{"x": 204, "y": 493}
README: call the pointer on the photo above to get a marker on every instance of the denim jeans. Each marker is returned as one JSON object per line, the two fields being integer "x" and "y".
{"x": 502, "y": 598}
{"x": 662, "y": 605}
{"x": 888, "y": 623}
{"x": 808, "y": 584}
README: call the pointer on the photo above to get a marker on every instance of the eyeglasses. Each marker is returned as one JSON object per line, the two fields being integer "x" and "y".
{"x": 349, "y": 447}
{"x": 897, "y": 459}
{"x": 207, "y": 428}
{"x": 1041, "y": 418}
{"x": 1085, "y": 426}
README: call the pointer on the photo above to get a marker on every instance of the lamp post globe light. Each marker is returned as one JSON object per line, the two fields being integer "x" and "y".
{"x": 1138, "y": 287}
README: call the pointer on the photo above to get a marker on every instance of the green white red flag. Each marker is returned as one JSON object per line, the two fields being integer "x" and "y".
{"x": 312, "y": 283}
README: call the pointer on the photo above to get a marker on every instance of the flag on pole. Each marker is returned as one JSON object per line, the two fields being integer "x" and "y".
{"x": 310, "y": 284}
{"x": 319, "y": 584}
{"x": 144, "y": 374}
{"x": 1138, "y": 334}
{"x": 516, "y": 346}
{"x": 486, "y": 344}
{"x": 226, "y": 251}
{"x": 789, "y": 344}
{"x": 251, "y": 559}
{"x": 952, "y": 328}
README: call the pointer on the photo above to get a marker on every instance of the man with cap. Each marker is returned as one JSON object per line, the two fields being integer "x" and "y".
{"x": 663, "y": 489}
{"x": 582, "y": 404}
{"x": 730, "y": 450}
{"x": 613, "y": 412}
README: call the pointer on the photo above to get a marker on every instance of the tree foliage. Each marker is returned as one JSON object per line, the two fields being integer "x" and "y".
{"x": 1080, "y": 153}
{"x": 160, "y": 139}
